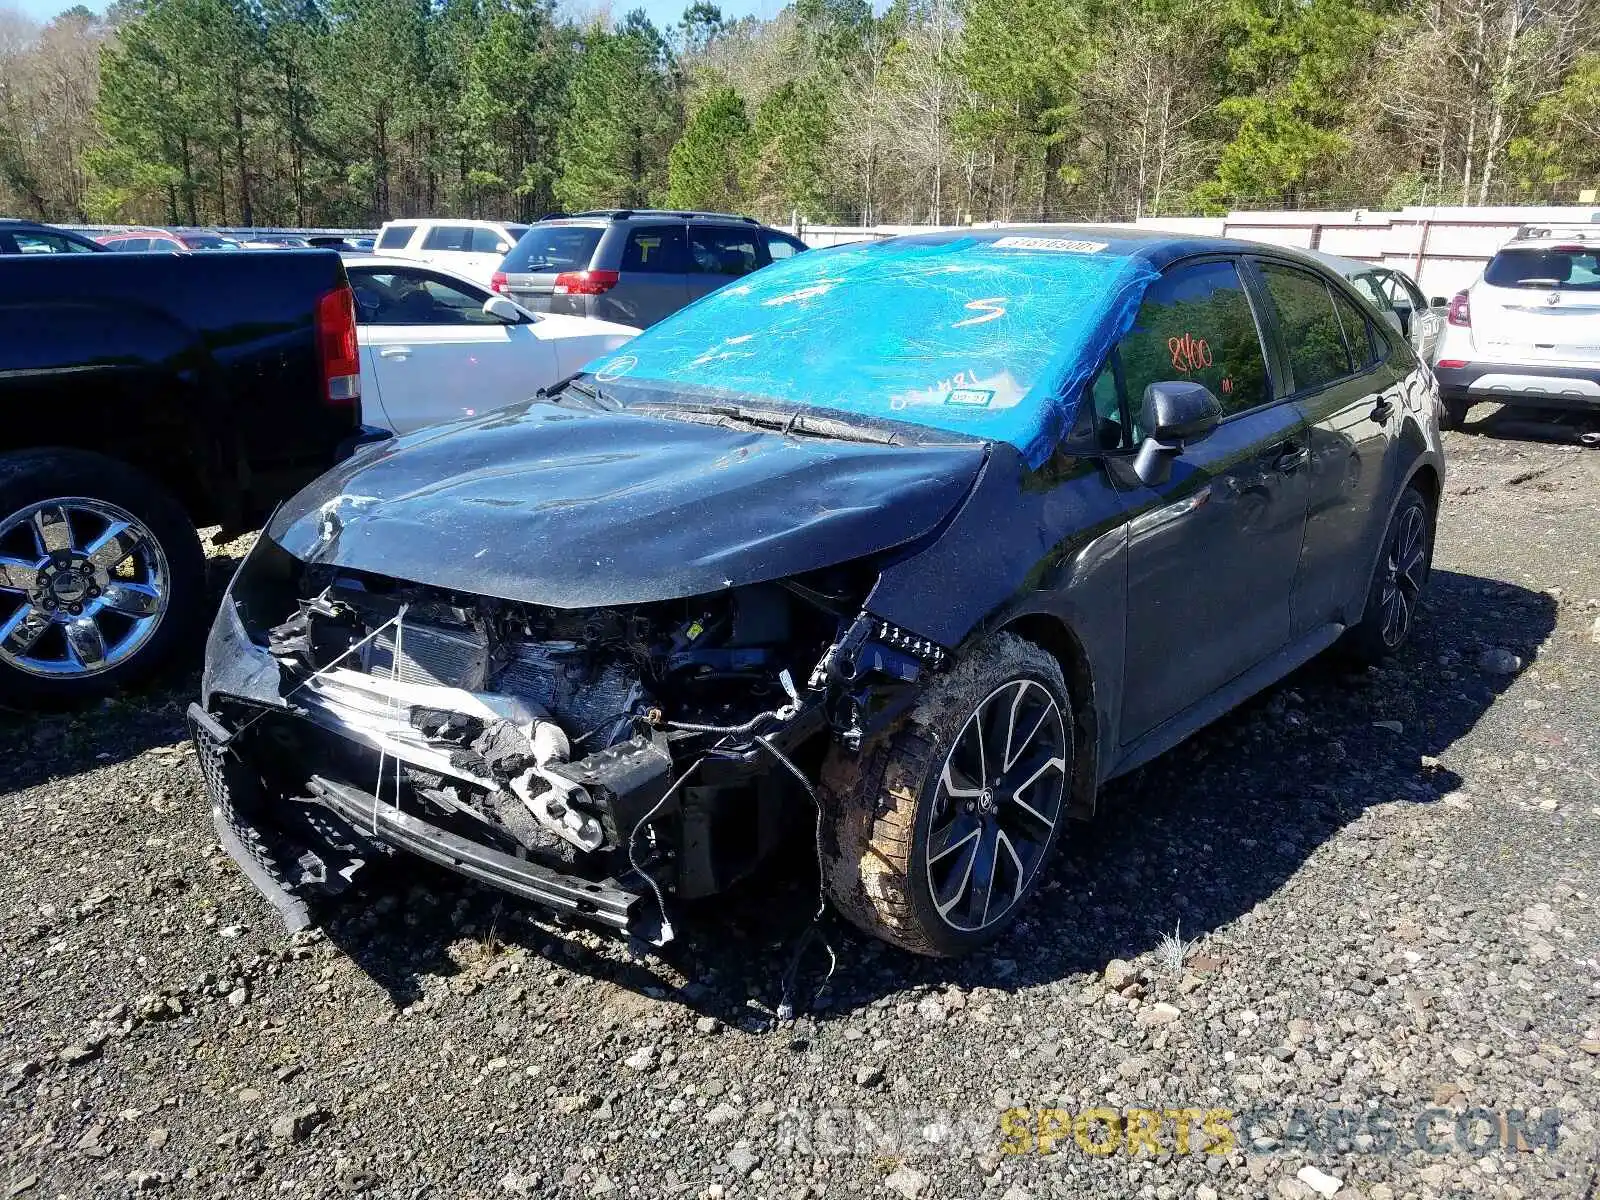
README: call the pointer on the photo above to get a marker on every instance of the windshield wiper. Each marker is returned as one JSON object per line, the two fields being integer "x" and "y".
{"x": 787, "y": 423}
{"x": 587, "y": 391}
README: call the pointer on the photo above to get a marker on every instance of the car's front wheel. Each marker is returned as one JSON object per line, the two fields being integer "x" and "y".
{"x": 941, "y": 832}
{"x": 101, "y": 576}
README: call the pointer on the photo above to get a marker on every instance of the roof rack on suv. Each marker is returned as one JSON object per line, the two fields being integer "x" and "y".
{"x": 622, "y": 214}
{"x": 1578, "y": 233}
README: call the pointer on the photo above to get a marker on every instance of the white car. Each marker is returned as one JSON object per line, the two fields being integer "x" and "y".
{"x": 470, "y": 248}
{"x": 1397, "y": 298}
{"x": 435, "y": 346}
{"x": 1528, "y": 331}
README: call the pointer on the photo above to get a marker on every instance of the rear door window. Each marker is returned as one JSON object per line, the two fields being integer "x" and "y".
{"x": 1370, "y": 285}
{"x": 546, "y": 248}
{"x": 1195, "y": 324}
{"x": 489, "y": 241}
{"x": 449, "y": 237}
{"x": 781, "y": 245}
{"x": 1360, "y": 338}
{"x": 656, "y": 248}
{"x": 395, "y": 237}
{"x": 1312, "y": 335}
{"x": 722, "y": 250}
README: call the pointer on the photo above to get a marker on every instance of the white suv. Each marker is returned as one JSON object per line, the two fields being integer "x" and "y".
{"x": 1528, "y": 331}
{"x": 470, "y": 248}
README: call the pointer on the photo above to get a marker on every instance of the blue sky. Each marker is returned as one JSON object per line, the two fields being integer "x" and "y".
{"x": 662, "y": 12}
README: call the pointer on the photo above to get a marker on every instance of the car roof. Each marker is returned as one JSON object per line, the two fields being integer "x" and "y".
{"x": 1345, "y": 266}
{"x": 477, "y": 221}
{"x": 1155, "y": 246}
{"x": 595, "y": 215}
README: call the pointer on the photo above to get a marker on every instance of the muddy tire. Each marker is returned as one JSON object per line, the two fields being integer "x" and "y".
{"x": 939, "y": 833}
{"x": 1453, "y": 414}
{"x": 1401, "y": 573}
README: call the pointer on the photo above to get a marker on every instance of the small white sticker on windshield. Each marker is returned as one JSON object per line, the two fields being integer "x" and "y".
{"x": 976, "y": 397}
{"x": 1063, "y": 245}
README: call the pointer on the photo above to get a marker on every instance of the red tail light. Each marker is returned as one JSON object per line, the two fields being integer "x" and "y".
{"x": 338, "y": 352}
{"x": 585, "y": 283}
{"x": 498, "y": 282}
{"x": 1459, "y": 313}
{"x": 1451, "y": 364}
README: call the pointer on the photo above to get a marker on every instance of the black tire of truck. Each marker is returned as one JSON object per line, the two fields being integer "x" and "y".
{"x": 31, "y": 478}
{"x": 1453, "y": 414}
{"x": 903, "y": 816}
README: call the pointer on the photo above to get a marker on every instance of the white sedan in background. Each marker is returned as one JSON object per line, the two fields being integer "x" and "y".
{"x": 436, "y": 346}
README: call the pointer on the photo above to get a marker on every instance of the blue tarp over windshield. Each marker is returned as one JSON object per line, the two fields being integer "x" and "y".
{"x": 991, "y": 336}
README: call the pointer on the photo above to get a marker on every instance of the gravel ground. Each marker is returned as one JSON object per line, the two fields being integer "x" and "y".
{"x": 1383, "y": 888}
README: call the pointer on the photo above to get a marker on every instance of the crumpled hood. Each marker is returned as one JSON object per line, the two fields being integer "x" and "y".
{"x": 574, "y": 508}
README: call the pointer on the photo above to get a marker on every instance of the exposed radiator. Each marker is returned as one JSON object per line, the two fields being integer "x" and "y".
{"x": 433, "y": 654}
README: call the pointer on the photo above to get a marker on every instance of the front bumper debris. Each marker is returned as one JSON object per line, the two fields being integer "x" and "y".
{"x": 285, "y": 849}
{"x": 604, "y": 903}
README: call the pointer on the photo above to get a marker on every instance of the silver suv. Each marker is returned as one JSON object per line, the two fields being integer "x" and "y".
{"x": 634, "y": 266}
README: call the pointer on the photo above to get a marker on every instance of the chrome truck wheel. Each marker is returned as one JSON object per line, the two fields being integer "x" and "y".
{"x": 102, "y": 577}
{"x": 86, "y": 584}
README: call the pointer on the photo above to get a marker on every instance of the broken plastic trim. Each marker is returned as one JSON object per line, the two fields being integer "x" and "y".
{"x": 604, "y": 902}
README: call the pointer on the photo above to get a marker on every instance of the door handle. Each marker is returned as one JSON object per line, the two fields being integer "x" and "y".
{"x": 1382, "y": 411}
{"x": 395, "y": 352}
{"x": 1291, "y": 459}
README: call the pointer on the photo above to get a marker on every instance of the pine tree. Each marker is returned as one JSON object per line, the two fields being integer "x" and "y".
{"x": 703, "y": 169}
{"x": 613, "y": 150}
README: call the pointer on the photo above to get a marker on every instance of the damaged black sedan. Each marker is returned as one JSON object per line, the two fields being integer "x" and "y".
{"x": 905, "y": 546}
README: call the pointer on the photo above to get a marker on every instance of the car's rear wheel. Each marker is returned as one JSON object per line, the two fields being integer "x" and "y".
{"x": 940, "y": 833}
{"x": 1453, "y": 414}
{"x": 1396, "y": 589}
{"x": 101, "y": 576}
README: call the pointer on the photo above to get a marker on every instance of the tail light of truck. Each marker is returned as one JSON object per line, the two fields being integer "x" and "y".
{"x": 1459, "y": 313}
{"x": 338, "y": 352}
{"x": 585, "y": 283}
{"x": 499, "y": 283}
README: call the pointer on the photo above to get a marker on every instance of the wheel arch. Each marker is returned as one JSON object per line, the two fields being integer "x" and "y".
{"x": 1425, "y": 478}
{"x": 1058, "y": 639}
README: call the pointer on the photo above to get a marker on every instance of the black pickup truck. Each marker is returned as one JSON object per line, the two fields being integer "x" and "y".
{"x": 142, "y": 395}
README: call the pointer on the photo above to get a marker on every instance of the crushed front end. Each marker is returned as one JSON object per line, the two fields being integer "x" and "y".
{"x": 600, "y": 762}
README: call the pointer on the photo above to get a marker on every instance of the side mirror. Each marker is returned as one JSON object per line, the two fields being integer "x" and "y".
{"x": 1438, "y": 302}
{"x": 1176, "y": 412}
{"x": 503, "y": 310}
{"x": 502, "y": 247}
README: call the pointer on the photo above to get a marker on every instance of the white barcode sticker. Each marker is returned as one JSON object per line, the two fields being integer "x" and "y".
{"x": 1063, "y": 245}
